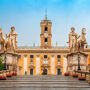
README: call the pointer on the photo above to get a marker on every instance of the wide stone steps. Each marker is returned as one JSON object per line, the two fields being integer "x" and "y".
{"x": 43, "y": 82}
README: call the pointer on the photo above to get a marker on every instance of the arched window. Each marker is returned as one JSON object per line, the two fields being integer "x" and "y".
{"x": 46, "y": 41}
{"x": 46, "y": 29}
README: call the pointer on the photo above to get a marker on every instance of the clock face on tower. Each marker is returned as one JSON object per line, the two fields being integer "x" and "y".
{"x": 45, "y": 35}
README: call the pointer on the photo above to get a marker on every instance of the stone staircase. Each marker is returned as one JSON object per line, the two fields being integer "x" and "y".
{"x": 43, "y": 81}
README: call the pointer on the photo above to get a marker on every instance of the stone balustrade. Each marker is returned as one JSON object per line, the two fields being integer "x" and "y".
{"x": 81, "y": 75}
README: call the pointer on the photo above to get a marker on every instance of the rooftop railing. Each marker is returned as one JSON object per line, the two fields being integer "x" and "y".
{"x": 38, "y": 47}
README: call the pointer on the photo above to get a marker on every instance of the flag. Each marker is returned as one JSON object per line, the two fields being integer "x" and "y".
{"x": 56, "y": 44}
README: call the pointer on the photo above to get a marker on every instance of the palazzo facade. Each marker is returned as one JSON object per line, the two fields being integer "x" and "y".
{"x": 34, "y": 60}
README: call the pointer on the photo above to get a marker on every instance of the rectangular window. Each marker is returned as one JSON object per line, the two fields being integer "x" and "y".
{"x": 31, "y": 56}
{"x": 19, "y": 56}
{"x": 45, "y": 56}
{"x": 58, "y": 56}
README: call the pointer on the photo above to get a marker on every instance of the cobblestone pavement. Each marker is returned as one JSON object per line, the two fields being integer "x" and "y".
{"x": 48, "y": 82}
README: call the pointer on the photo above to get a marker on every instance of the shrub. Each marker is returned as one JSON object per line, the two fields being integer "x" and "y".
{"x": 82, "y": 78}
{"x": 75, "y": 75}
{"x": 66, "y": 74}
{"x": 1, "y": 64}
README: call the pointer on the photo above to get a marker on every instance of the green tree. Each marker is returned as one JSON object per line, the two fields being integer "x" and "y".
{"x": 1, "y": 64}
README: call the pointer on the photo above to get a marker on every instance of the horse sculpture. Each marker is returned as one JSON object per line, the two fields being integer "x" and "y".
{"x": 81, "y": 43}
{"x": 3, "y": 42}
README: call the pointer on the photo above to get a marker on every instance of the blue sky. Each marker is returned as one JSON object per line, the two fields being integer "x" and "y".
{"x": 26, "y": 15}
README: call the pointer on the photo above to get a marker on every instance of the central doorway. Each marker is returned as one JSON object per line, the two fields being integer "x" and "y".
{"x": 59, "y": 72}
{"x": 44, "y": 71}
{"x": 31, "y": 71}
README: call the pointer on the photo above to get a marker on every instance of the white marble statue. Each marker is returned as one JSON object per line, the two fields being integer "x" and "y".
{"x": 12, "y": 39}
{"x": 77, "y": 42}
{"x": 72, "y": 40}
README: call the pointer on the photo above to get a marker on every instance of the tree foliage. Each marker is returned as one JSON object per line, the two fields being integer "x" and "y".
{"x": 1, "y": 64}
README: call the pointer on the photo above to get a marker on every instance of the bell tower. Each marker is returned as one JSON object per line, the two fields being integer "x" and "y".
{"x": 46, "y": 33}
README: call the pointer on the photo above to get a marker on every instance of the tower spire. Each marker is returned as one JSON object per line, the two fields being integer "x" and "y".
{"x": 46, "y": 14}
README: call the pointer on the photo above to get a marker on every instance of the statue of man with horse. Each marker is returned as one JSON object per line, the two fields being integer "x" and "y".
{"x": 77, "y": 42}
{"x": 10, "y": 43}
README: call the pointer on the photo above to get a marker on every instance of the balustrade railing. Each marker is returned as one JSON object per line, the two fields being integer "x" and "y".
{"x": 83, "y": 75}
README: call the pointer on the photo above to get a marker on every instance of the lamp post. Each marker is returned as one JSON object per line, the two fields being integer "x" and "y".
{"x": 5, "y": 60}
{"x": 79, "y": 63}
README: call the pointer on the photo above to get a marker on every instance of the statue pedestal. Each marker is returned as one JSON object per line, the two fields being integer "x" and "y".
{"x": 77, "y": 60}
{"x": 11, "y": 60}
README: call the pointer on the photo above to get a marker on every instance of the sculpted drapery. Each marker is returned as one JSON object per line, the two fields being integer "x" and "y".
{"x": 12, "y": 39}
